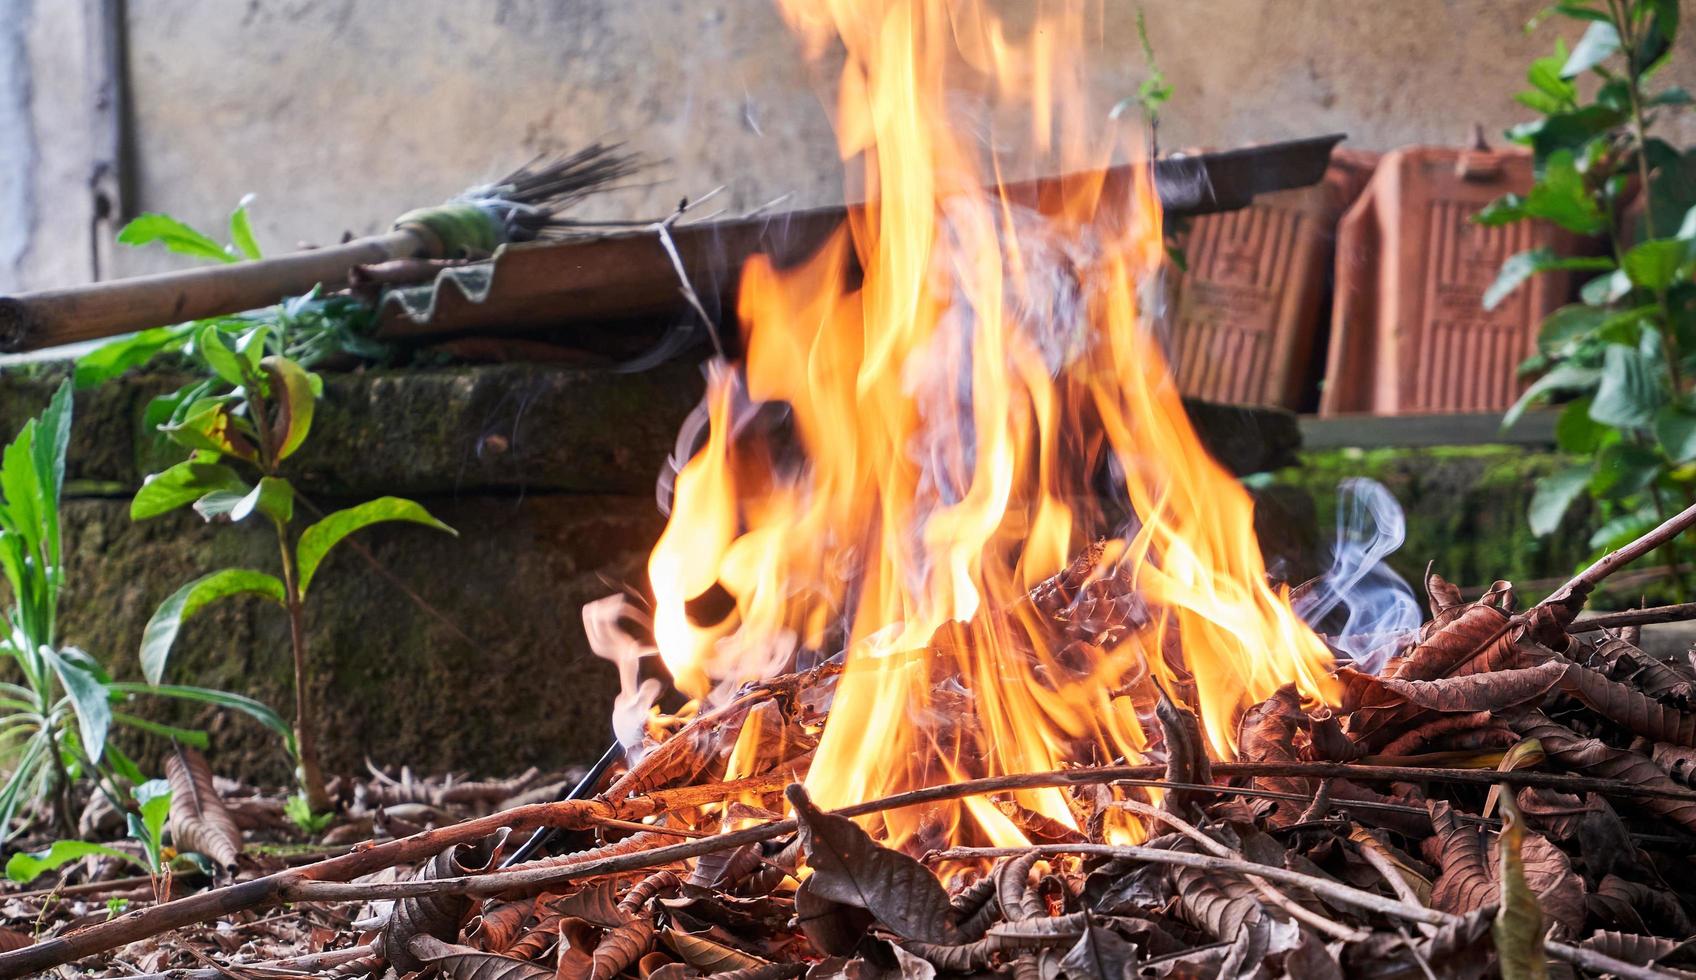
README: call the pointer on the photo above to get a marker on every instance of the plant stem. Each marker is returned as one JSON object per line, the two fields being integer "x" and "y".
{"x": 310, "y": 774}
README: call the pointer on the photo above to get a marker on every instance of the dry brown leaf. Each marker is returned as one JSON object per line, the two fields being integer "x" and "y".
{"x": 11, "y": 939}
{"x": 1629, "y": 708}
{"x": 1219, "y": 904}
{"x": 1591, "y": 757}
{"x": 594, "y": 904}
{"x": 658, "y": 883}
{"x": 1626, "y": 663}
{"x": 708, "y": 956}
{"x": 465, "y": 963}
{"x": 849, "y": 867}
{"x": 1642, "y": 950}
{"x": 618, "y": 950}
{"x": 198, "y": 819}
{"x": 1469, "y": 879}
{"x": 436, "y": 916}
{"x": 497, "y": 926}
{"x": 1519, "y": 922}
{"x": 1481, "y": 692}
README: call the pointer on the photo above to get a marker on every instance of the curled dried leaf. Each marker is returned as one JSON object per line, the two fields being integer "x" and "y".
{"x": 465, "y": 963}
{"x": 1519, "y": 922}
{"x": 593, "y": 904}
{"x": 708, "y": 956}
{"x": 1629, "y": 708}
{"x": 658, "y": 883}
{"x": 1591, "y": 757}
{"x": 435, "y": 916}
{"x": 199, "y": 822}
{"x": 849, "y": 867}
{"x": 498, "y": 925}
{"x": 618, "y": 950}
{"x": 1482, "y": 692}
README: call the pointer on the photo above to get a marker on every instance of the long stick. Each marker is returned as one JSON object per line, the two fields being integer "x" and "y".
{"x": 63, "y": 316}
{"x": 1676, "y": 613}
{"x": 322, "y": 881}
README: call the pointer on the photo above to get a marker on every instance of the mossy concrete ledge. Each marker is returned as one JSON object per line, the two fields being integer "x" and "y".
{"x": 502, "y": 428}
{"x": 547, "y": 473}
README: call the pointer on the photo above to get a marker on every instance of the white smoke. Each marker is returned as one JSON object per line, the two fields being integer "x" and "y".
{"x": 1380, "y": 606}
{"x": 610, "y": 640}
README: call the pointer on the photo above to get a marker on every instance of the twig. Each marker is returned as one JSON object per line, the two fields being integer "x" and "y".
{"x": 1571, "y": 596}
{"x": 1335, "y": 930}
{"x": 1679, "y": 612}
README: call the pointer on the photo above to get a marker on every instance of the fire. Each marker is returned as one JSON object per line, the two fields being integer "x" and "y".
{"x": 961, "y": 366}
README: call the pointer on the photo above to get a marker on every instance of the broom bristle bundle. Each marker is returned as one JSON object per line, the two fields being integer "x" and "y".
{"x": 529, "y": 200}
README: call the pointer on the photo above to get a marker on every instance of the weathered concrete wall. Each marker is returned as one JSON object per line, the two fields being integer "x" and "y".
{"x": 45, "y": 145}
{"x": 341, "y": 114}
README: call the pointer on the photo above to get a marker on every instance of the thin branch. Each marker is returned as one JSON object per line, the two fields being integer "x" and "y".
{"x": 1676, "y": 613}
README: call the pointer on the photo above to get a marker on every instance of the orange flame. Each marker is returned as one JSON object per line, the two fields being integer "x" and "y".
{"x": 950, "y": 410}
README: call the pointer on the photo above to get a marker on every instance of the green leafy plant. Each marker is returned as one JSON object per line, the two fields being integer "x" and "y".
{"x": 306, "y": 329}
{"x": 241, "y": 423}
{"x": 1623, "y": 357}
{"x": 146, "y": 827}
{"x": 299, "y": 812}
{"x": 58, "y": 709}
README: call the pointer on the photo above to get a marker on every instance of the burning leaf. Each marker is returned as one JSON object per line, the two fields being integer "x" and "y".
{"x": 435, "y": 916}
{"x": 199, "y": 821}
{"x": 1186, "y": 753}
{"x": 849, "y": 867}
{"x": 1519, "y": 922}
{"x": 465, "y": 963}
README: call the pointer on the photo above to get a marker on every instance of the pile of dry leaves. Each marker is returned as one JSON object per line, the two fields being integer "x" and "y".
{"x": 1509, "y": 794}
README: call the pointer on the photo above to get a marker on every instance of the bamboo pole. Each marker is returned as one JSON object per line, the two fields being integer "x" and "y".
{"x": 29, "y": 321}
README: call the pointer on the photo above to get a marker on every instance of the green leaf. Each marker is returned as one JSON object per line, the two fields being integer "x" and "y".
{"x": 154, "y": 800}
{"x": 1563, "y": 197}
{"x": 1675, "y": 429}
{"x": 1632, "y": 388}
{"x": 210, "y": 427}
{"x": 1655, "y": 264}
{"x": 90, "y": 700}
{"x": 241, "y": 230}
{"x": 1622, "y": 530}
{"x": 291, "y": 386}
{"x": 218, "y": 504}
{"x": 174, "y": 235}
{"x": 1570, "y": 131}
{"x": 317, "y": 540}
{"x": 257, "y": 710}
{"x": 1555, "y": 493}
{"x": 1607, "y": 289}
{"x": 184, "y": 483}
{"x": 1598, "y": 44}
{"x": 1523, "y": 265}
{"x": 112, "y": 359}
{"x": 161, "y": 630}
{"x": 273, "y": 497}
{"x": 1545, "y": 76}
{"x": 1623, "y": 469}
{"x": 1568, "y": 325}
{"x": 1576, "y": 432}
{"x": 24, "y": 868}
{"x": 188, "y": 736}
{"x": 209, "y": 342}
{"x": 1565, "y": 376}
